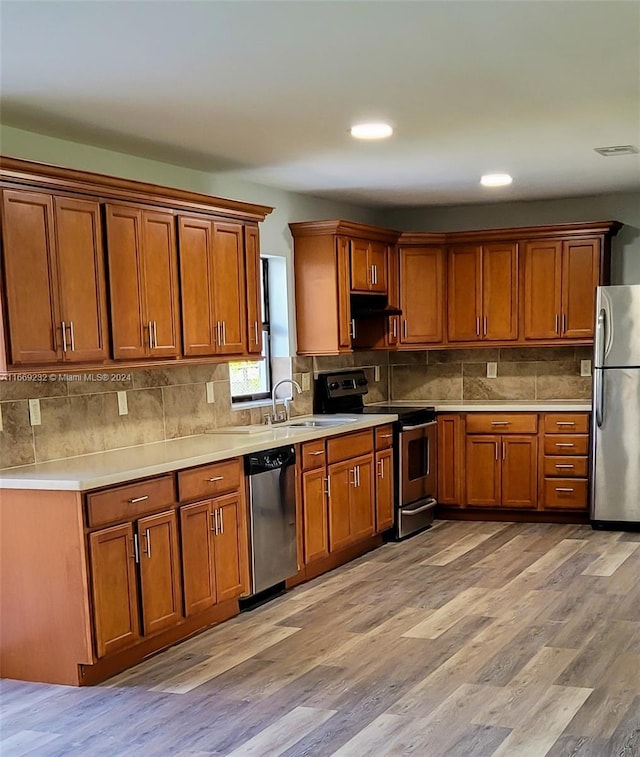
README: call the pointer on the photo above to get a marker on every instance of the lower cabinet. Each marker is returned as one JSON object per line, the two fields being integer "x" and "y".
{"x": 135, "y": 574}
{"x": 351, "y": 501}
{"x": 384, "y": 490}
{"x": 314, "y": 515}
{"x": 211, "y": 552}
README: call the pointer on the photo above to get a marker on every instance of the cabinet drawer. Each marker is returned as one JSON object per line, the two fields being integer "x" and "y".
{"x": 313, "y": 455}
{"x": 566, "y": 444}
{"x": 502, "y": 423}
{"x": 349, "y": 445}
{"x": 210, "y": 480}
{"x": 566, "y": 493}
{"x": 384, "y": 436}
{"x": 566, "y": 423}
{"x": 567, "y": 467}
{"x": 130, "y": 501}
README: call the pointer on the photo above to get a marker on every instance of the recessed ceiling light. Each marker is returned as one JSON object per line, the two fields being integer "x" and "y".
{"x": 615, "y": 150}
{"x": 371, "y": 131}
{"x": 495, "y": 180}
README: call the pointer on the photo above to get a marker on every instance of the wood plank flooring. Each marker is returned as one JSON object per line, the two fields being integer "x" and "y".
{"x": 469, "y": 640}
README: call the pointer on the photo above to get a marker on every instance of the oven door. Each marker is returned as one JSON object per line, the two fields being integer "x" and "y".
{"x": 418, "y": 455}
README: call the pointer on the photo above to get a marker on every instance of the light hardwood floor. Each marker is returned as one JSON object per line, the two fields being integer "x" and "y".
{"x": 472, "y": 639}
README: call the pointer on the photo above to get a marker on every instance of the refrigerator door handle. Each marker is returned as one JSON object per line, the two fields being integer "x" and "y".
{"x": 601, "y": 338}
{"x": 599, "y": 396}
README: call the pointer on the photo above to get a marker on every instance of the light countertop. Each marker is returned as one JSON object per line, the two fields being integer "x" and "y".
{"x": 520, "y": 406}
{"x": 119, "y": 466}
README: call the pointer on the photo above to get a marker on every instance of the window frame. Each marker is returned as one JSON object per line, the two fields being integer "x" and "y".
{"x": 266, "y": 339}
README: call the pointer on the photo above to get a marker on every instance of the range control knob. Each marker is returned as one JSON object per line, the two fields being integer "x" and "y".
{"x": 334, "y": 385}
{"x": 362, "y": 381}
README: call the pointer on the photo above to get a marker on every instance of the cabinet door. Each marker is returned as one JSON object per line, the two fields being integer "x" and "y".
{"x": 341, "y": 480}
{"x": 344, "y": 302}
{"x": 483, "y": 470}
{"x": 362, "y": 500}
{"x": 227, "y": 552}
{"x": 378, "y": 266}
{"x": 314, "y": 515}
{"x": 580, "y": 277}
{"x": 542, "y": 288}
{"x": 254, "y": 290}
{"x": 500, "y": 291}
{"x": 520, "y": 471}
{"x": 199, "y": 331}
{"x": 384, "y": 490}
{"x": 464, "y": 287}
{"x": 114, "y": 589}
{"x": 160, "y": 279}
{"x": 129, "y": 332}
{"x": 229, "y": 304}
{"x": 83, "y": 304}
{"x": 393, "y": 283}
{"x": 360, "y": 268}
{"x": 159, "y": 571}
{"x": 30, "y": 271}
{"x": 198, "y": 569}
{"x": 450, "y": 459}
{"x": 421, "y": 295}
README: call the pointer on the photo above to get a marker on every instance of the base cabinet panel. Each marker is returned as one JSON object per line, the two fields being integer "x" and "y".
{"x": 520, "y": 471}
{"x": 198, "y": 572}
{"x": 384, "y": 490}
{"x": 314, "y": 514}
{"x": 227, "y": 551}
{"x": 361, "y": 506}
{"x": 340, "y": 483}
{"x": 483, "y": 471}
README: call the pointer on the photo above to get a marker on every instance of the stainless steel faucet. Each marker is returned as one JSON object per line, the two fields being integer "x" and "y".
{"x": 276, "y": 417}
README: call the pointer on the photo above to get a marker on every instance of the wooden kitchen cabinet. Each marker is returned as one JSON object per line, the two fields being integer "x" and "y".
{"x": 368, "y": 266}
{"x": 212, "y": 285}
{"x": 519, "y": 471}
{"x": 422, "y": 272}
{"x": 564, "y": 476}
{"x": 560, "y": 281}
{"x": 483, "y": 471}
{"x": 384, "y": 490}
{"x": 254, "y": 289}
{"x": 450, "y": 459}
{"x": 483, "y": 292}
{"x": 314, "y": 515}
{"x": 114, "y": 588}
{"x": 362, "y": 505}
{"x": 340, "y": 476}
{"x": 54, "y": 276}
{"x": 143, "y": 282}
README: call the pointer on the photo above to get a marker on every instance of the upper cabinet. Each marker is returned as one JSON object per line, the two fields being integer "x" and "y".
{"x": 422, "y": 271}
{"x": 560, "y": 280}
{"x": 333, "y": 262}
{"x": 54, "y": 278}
{"x": 483, "y": 292}
{"x": 143, "y": 281}
{"x": 61, "y": 229}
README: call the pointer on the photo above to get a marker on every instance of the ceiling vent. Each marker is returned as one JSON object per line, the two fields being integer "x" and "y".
{"x": 615, "y": 150}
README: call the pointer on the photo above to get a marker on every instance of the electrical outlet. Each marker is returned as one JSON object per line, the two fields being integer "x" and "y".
{"x": 585, "y": 367}
{"x": 210, "y": 395}
{"x": 34, "y": 412}
{"x": 306, "y": 382}
{"x": 376, "y": 373}
{"x": 123, "y": 406}
{"x": 492, "y": 370}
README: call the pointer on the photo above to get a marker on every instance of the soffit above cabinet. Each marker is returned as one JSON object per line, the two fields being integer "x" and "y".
{"x": 44, "y": 176}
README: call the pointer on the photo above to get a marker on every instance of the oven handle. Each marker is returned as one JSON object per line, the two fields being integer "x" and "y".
{"x": 420, "y": 425}
{"x": 431, "y": 503}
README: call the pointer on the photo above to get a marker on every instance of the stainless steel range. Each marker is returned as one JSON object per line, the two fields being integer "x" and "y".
{"x": 415, "y": 445}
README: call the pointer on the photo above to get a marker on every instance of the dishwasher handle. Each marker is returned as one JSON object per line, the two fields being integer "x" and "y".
{"x": 270, "y": 459}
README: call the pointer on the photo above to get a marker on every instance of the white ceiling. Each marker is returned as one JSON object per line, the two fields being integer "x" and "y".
{"x": 268, "y": 90}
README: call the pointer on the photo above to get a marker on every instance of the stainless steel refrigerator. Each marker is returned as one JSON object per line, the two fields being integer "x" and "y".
{"x": 615, "y": 474}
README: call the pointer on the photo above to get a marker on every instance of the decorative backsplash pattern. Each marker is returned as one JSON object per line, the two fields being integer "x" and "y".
{"x": 80, "y": 417}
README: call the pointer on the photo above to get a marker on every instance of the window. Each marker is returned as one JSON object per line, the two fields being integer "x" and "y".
{"x": 251, "y": 379}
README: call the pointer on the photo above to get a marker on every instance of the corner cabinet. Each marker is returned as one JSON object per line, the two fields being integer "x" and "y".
{"x": 422, "y": 296}
{"x": 98, "y": 272}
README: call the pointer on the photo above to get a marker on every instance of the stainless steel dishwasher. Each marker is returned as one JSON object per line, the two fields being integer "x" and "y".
{"x": 272, "y": 508}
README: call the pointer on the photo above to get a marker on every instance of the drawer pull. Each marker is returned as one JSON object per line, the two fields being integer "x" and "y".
{"x": 386, "y": 436}
{"x": 215, "y": 478}
{"x": 565, "y": 423}
{"x": 564, "y": 444}
{"x": 500, "y": 423}
{"x": 565, "y": 466}
{"x": 135, "y": 500}
{"x": 566, "y": 489}
{"x": 321, "y": 452}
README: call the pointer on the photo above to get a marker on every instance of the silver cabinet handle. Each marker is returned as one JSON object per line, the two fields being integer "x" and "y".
{"x": 353, "y": 481}
{"x": 496, "y": 443}
{"x": 381, "y": 468}
{"x": 404, "y": 327}
{"x": 155, "y": 334}
{"x": 565, "y": 423}
{"x": 557, "y": 329}
{"x": 564, "y": 323}
{"x": 321, "y": 452}
{"x": 255, "y": 331}
{"x": 327, "y": 491}
{"x": 564, "y": 444}
{"x": 73, "y": 336}
{"x": 134, "y": 500}
{"x": 504, "y": 450}
{"x": 224, "y": 332}
{"x": 375, "y": 274}
{"x": 559, "y": 466}
{"x": 353, "y": 328}
{"x": 64, "y": 336}
{"x": 566, "y": 489}
{"x": 386, "y": 436}
{"x": 214, "y": 478}
{"x": 136, "y": 548}
{"x": 150, "y": 328}
{"x": 147, "y": 540}
{"x": 485, "y": 325}
{"x": 221, "y": 511}
{"x": 358, "y": 475}
{"x": 500, "y": 423}
{"x": 394, "y": 324}
{"x": 217, "y": 528}
{"x": 218, "y": 337}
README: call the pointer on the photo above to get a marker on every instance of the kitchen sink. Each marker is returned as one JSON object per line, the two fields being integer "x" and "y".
{"x": 319, "y": 423}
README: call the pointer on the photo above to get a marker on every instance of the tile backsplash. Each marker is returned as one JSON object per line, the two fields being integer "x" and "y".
{"x": 81, "y": 416}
